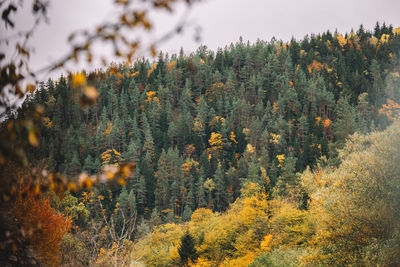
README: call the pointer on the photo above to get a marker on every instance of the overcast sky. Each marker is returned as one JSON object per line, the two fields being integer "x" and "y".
{"x": 222, "y": 21}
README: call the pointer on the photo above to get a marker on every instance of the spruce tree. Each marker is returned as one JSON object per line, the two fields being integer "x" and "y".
{"x": 220, "y": 193}
{"x": 187, "y": 249}
{"x": 187, "y": 213}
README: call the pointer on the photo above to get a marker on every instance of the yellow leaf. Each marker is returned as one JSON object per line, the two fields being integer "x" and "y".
{"x": 121, "y": 181}
{"x": 216, "y": 141}
{"x": 266, "y": 243}
{"x": 36, "y": 191}
{"x": 30, "y": 88}
{"x": 209, "y": 184}
{"x": 86, "y": 183}
{"x": 78, "y": 79}
{"x": 201, "y": 214}
{"x": 250, "y": 149}
{"x": 173, "y": 253}
{"x": 151, "y": 70}
{"x": 384, "y": 38}
{"x": 341, "y": 40}
{"x": 275, "y": 138}
{"x": 171, "y": 65}
{"x": 232, "y": 136}
{"x": 72, "y": 187}
{"x": 134, "y": 74}
{"x": 327, "y": 123}
{"x": 109, "y": 128}
{"x": 33, "y": 140}
{"x": 281, "y": 159}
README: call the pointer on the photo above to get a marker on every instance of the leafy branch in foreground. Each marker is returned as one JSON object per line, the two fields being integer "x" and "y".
{"x": 125, "y": 33}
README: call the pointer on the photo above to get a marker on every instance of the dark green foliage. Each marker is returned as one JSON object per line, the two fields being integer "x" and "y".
{"x": 164, "y": 122}
{"x": 186, "y": 249}
{"x": 187, "y": 213}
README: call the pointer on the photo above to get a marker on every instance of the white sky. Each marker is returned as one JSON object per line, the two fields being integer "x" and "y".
{"x": 222, "y": 21}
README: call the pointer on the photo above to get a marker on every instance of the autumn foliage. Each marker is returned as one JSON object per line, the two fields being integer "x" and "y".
{"x": 42, "y": 226}
{"x": 351, "y": 218}
{"x": 391, "y": 109}
{"x": 243, "y": 150}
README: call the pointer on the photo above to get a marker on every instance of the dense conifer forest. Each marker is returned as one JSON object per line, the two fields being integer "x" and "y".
{"x": 270, "y": 154}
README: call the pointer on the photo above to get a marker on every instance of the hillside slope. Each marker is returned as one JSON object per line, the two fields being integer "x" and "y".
{"x": 274, "y": 153}
{"x": 351, "y": 219}
{"x": 249, "y": 112}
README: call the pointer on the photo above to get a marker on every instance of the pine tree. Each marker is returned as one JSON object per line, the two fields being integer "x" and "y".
{"x": 155, "y": 218}
{"x": 89, "y": 165}
{"x": 141, "y": 192}
{"x": 254, "y": 171}
{"x": 74, "y": 166}
{"x": 162, "y": 183}
{"x": 187, "y": 249}
{"x": 187, "y": 213}
{"x": 345, "y": 122}
{"x": 201, "y": 195}
{"x": 220, "y": 193}
{"x": 127, "y": 210}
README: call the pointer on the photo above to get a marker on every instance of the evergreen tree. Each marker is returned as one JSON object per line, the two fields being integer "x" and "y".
{"x": 345, "y": 122}
{"x": 220, "y": 193}
{"x": 301, "y": 100}
{"x": 187, "y": 213}
{"x": 89, "y": 165}
{"x": 187, "y": 249}
{"x": 201, "y": 195}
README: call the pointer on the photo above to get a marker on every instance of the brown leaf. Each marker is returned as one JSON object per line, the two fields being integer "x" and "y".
{"x": 30, "y": 88}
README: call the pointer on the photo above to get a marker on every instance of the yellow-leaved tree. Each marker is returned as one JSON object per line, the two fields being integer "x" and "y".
{"x": 351, "y": 218}
{"x": 355, "y": 208}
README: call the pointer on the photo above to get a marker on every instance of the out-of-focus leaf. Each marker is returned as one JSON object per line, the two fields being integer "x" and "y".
{"x": 78, "y": 79}
{"x": 30, "y": 88}
{"x": 89, "y": 96}
{"x": 33, "y": 140}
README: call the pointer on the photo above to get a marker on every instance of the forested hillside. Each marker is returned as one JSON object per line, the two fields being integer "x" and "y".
{"x": 258, "y": 125}
{"x": 352, "y": 219}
